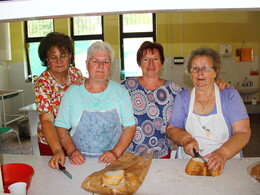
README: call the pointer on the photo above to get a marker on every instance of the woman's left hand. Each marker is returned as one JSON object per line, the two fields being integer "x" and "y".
{"x": 217, "y": 160}
{"x": 108, "y": 157}
{"x": 222, "y": 84}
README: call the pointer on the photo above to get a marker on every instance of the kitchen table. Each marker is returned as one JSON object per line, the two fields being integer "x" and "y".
{"x": 6, "y": 94}
{"x": 33, "y": 123}
{"x": 165, "y": 176}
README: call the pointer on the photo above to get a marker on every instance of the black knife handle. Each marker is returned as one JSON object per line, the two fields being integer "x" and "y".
{"x": 195, "y": 153}
{"x": 61, "y": 167}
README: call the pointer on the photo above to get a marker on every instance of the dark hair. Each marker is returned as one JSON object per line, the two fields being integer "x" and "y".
{"x": 60, "y": 40}
{"x": 205, "y": 51}
{"x": 149, "y": 46}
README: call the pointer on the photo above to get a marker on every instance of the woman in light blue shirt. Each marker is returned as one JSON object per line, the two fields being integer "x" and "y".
{"x": 96, "y": 118}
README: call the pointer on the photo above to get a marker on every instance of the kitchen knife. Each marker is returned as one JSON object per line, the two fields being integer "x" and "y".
{"x": 198, "y": 155}
{"x": 63, "y": 169}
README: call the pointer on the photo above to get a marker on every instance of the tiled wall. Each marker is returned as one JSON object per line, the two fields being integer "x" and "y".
{"x": 232, "y": 71}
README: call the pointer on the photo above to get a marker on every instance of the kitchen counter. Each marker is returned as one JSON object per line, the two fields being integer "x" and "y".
{"x": 166, "y": 176}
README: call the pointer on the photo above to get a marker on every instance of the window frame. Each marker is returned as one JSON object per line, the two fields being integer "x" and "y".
{"x": 86, "y": 37}
{"x": 31, "y": 40}
{"x": 133, "y": 35}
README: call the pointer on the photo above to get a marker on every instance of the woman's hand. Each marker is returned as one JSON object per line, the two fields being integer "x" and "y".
{"x": 108, "y": 157}
{"x": 188, "y": 144}
{"x": 58, "y": 157}
{"x": 217, "y": 160}
{"x": 222, "y": 84}
{"x": 79, "y": 81}
{"x": 76, "y": 157}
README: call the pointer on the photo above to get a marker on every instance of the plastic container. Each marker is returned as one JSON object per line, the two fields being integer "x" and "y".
{"x": 16, "y": 172}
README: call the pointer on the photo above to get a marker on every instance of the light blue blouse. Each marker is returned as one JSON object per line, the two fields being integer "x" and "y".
{"x": 77, "y": 98}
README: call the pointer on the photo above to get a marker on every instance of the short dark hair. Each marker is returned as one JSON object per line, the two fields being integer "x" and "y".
{"x": 60, "y": 40}
{"x": 149, "y": 46}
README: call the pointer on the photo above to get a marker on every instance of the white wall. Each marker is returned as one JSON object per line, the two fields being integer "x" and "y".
{"x": 12, "y": 77}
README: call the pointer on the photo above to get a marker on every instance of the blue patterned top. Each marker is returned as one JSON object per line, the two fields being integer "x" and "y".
{"x": 152, "y": 111}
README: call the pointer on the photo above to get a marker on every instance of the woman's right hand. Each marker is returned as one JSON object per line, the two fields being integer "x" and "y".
{"x": 58, "y": 157}
{"x": 189, "y": 144}
{"x": 76, "y": 157}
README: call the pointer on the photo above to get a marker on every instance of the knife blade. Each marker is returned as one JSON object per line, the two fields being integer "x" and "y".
{"x": 63, "y": 169}
{"x": 198, "y": 155}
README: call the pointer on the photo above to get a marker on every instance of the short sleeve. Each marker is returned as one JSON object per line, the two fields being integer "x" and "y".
{"x": 127, "y": 109}
{"x": 63, "y": 117}
{"x": 179, "y": 109}
{"x": 236, "y": 109}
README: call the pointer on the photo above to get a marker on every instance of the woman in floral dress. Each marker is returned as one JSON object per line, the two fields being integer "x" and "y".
{"x": 56, "y": 53}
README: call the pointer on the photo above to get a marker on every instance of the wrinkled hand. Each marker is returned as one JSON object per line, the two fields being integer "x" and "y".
{"x": 79, "y": 81}
{"x": 222, "y": 84}
{"x": 76, "y": 157}
{"x": 217, "y": 160}
{"x": 109, "y": 156}
{"x": 58, "y": 157}
{"x": 189, "y": 144}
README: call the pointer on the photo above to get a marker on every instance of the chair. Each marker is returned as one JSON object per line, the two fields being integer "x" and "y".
{"x": 6, "y": 130}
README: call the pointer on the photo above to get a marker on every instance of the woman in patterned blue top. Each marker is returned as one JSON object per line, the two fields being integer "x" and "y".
{"x": 152, "y": 99}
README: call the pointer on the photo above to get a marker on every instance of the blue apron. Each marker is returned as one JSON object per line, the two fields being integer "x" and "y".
{"x": 97, "y": 132}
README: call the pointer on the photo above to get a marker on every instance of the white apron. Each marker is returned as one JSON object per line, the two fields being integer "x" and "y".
{"x": 211, "y": 132}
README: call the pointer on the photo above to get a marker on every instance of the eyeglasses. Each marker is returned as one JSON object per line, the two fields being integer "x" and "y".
{"x": 55, "y": 58}
{"x": 204, "y": 69}
{"x": 97, "y": 62}
{"x": 147, "y": 60}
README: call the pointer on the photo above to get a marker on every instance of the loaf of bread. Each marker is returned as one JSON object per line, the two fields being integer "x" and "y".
{"x": 255, "y": 172}
{"x": 198, "y": 167}
{"x": 114, "y": 179}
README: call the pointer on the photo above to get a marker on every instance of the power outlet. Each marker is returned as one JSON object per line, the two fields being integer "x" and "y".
{"x": 178, "y": 60}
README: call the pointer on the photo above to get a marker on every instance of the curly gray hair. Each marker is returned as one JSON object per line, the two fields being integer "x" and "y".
{"x": 205, "y": 51}
{"x": 100, "y": 46}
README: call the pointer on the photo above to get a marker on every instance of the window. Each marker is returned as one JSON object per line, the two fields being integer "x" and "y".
{"x": 134, "y": 30}
{"x": 35, "y": 30}
{"x": 85, "y": 31}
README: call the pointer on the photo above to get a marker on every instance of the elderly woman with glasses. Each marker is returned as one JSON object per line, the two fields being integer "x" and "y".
{"x": 213, "y": 122}
{"x": 56, "y": 54}
{"x": 96, "y": 118}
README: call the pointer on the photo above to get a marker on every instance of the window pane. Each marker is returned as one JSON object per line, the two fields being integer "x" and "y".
{"x": 137, "y": 22}
{"x": 89, "y": 25}
{"x": 81, "y": 48}
{"x": 131, "y": 45}
{"x": 39, "y": 28}
{"x": 35, "y": 62}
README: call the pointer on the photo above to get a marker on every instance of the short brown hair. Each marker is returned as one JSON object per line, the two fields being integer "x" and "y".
{"x": 60, "y": 40}
{"x": 149, "y": 46}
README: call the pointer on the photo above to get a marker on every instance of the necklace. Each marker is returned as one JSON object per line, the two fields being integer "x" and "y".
{"x": 63, "y": 83}
{"x": 96, "y": 96}
{"x": 203, "y": 105}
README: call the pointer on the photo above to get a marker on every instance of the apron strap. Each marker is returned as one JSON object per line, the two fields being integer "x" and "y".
{"x": 217, "y": 98}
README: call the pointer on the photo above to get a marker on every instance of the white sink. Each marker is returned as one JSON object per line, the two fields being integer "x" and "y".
{"x": 248, "y": 90}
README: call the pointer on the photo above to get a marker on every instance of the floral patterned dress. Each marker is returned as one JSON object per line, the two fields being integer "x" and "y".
{"x": 48, "y": 94}
{"x": 152, "y": 111}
